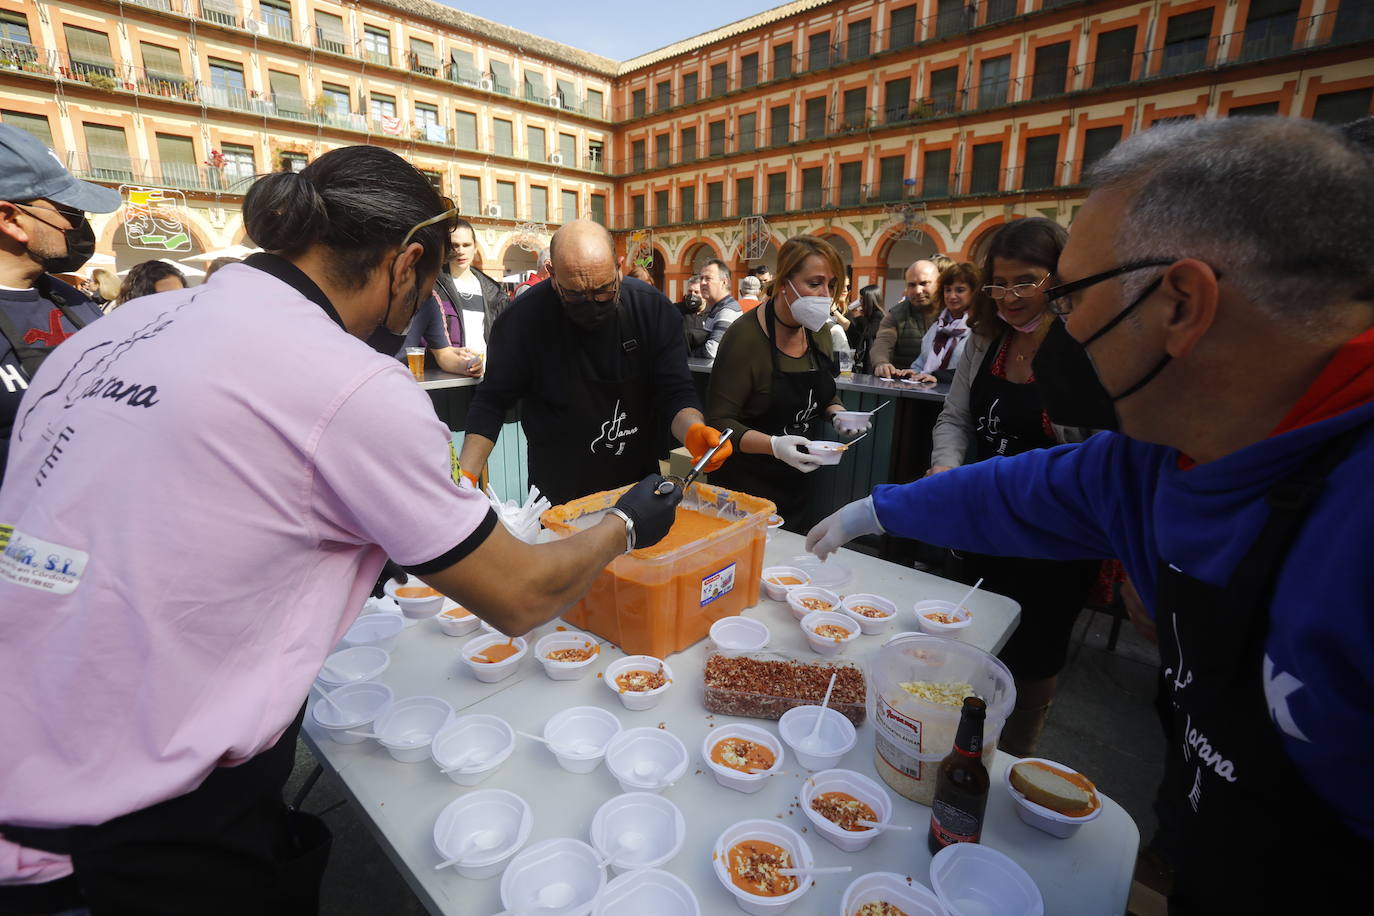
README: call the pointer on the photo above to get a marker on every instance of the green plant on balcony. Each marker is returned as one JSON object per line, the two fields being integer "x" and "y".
{"x": 7, "y": 64}
{"x": 34, "y": 66}
{"x": 102, "y": 81}
{"x": 924, "y": 108}
{"x": 321, "y": 105}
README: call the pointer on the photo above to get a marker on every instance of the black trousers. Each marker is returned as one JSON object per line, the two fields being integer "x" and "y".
{"x": 229, "y": 846}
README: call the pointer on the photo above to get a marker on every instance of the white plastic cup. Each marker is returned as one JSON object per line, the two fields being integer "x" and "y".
{"x": 911, "y": 897}
{"x": 825, "y": 451}
{"x": 731, "y": 778}
{"x": 771, "y": 832}
{"x": 825, "y": 645}
{"x": 637, "y": 699}
{"x": 489, "y": 738}
{"x": 408, "y": 728}
{"x": 1040, "y": 817}
{"x": 935, "y": 627}
{"x": 774, "y": 523}
{"x": 851, "y": 783}
{"x": 566, "y": 639}
{"x": 414, "y": 608}
{"x": 454, "y": 624}
{"x": 734, "y": 635}
{"x": 656, "y": 823}
{"x": 491, "y": 672}
{"x": 561, "y": 869}
{"x": 800, "y": 592}
{"x": 777, "y": 591}
{"x": 358, "y": 705}
{"x": 353, "y": 666}
{"x": 589, "y": 724}
{"x": 503, "y": 813}
{"x": 852, "y": 421}
{"x": 646, "y": 759}
{"x": 380, "y": 630}
{"x": 869, "y": 625}
{"x": 647, "y": 891}
{"x": 972, "y": 879}
{"x": 837, "y": 736}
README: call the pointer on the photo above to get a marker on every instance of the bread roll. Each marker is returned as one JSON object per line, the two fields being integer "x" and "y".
{"x": 1050, "y": 790}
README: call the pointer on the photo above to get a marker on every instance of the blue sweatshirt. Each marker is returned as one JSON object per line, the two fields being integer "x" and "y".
{"x": 1115, "y": 497}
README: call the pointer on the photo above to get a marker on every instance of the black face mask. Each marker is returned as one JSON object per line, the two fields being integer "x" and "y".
{"x": 1068, "y": 380}
{"x": 385, "y": 340}
{"x": 691, "y": 304}
{"x": 591, "y": 314}
{"x": 80, "y": 242}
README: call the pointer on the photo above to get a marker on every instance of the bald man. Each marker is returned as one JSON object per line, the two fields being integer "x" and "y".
{"x": 898, "y": 342}
{"x": 598, "y": 365}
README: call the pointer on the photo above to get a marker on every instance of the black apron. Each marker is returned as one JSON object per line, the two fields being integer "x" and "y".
{"x": 1008, "y": 416}
{"x": 1243, "y": 828}
{"x": 600, "y": 436}
{"x": 796, "y": 407}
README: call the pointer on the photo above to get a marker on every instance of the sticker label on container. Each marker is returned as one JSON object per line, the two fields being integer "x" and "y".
{"x": 898, "y": 740}
{"x": 719, "y": 583}
{"x": 34, "y": 563}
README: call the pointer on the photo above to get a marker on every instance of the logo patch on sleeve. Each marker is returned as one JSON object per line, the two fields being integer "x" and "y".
{"x": 36, "y": 563}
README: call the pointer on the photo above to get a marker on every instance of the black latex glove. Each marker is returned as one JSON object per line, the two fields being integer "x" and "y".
{"x": 652, "y": 514}
{"x": 389, "y": 571}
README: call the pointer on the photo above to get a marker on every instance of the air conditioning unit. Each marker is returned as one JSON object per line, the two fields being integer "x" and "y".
{"x": 255, "y": 26}
{"x": 555, "y": 102}
{"x": 486, "y": 84}
{"x": 492, "y": 211}
{"x": 556, "y": 158}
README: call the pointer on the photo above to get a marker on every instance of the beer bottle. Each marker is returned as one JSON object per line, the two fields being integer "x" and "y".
{"x": 961, "y": 784}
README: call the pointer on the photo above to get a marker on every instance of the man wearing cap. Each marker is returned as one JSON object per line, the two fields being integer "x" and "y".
{"x": 43, "y": 231}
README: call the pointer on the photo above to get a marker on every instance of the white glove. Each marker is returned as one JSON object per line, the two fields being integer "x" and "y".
{"x": 839, "y": 528}
{"x": 788, "y": 449}
{"x": 853, "y": 429}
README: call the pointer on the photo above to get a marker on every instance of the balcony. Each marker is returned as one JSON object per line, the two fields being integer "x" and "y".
{"x": 280, "y": 28}
{"x": 333, "y": 42}
{"x": 220, "y": 12}
{"x": 423, "y": 63}
{"x": 377, "y": 56}
{"x": 186, "y": 176}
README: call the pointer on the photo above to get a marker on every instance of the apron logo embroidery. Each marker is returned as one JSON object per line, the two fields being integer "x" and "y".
{"x": 611, "y": 433}
{"x": 991, "y": 426}
{"x": 1195, "y": 796}
{"x": 1169, "y": 672}
{"x": 803, "y": 416}
{"x": 1207, "y": 755}
{"x": 1277, "y": 690}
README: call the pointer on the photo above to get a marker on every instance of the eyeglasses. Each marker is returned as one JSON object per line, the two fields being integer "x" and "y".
{"x": 73, "y": 216}
{"x": 1057, "y": 298}
{"x": 601, "y": 296}
{"x": 450, "y": 215}
{"x": 1020, "y": 290}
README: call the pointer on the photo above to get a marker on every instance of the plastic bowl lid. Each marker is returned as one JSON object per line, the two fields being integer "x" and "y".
{"x": 829, "y": 573}
{"x": 972, "y": 879}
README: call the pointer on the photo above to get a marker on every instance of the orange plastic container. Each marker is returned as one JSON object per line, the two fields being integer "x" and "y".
{"x": 663, "y": 599}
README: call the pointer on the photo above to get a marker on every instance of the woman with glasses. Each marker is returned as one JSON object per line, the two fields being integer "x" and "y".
{"x": 214, "y": 477}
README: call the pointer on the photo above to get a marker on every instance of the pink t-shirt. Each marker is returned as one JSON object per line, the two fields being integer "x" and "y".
{"x": 201, "y": 488}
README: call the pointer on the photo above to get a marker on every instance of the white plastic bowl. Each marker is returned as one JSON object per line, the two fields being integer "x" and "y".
{"x": 771, "y": 832}
{"x": 869, "y": 625}
{"x": 380, "y": 630}
{"x": 645, "y": 892}
{"x": 779, "y": 592}
{"x": 491, "y": 672}
{"x": 381, "y": 606}
{"x": 457, "y": 625}
{"x": 774, "y": 523}
{"x": 739, "y": 634}
{"x": 414, "y": 608}
{"x": 853, "y": 421}
{"x": 737, "y": 779}
{"x": 1040, "y": 817}
{"x": 826, "y": 451}
{"x": 837, "y": 736}
{"x": 973, "y": 879}
{"x": 353, "y": 666}
{"x": 827, "y": 645}
{"x": 637, "y": 699}
{"x": 638, "y": 830}
{"x": 408, "y": 728}
{"x": 488, "y": 739}
{"x": 852, "y": 783}
{"x": 646, "y": 759}
{"x": 503, "y": 813}
{"x": 567, "y": 639}
{"x": 934, "y": 627}
{"x": 910, "y": 897}
{"x": 560, "y": 876}
{"x": 796, "y": 594}
{"x": 573, "y": 731}
{"x": 361, "y": 703}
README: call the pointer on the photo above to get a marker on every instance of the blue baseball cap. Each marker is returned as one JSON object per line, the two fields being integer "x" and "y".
{"x": 29, "y": 170}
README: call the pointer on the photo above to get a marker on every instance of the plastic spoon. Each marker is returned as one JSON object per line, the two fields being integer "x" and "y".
{"x": 398, "y": 741}
{"x": 471, "y": 757}
{"x": 481, "y": 840}
{"x": 335, "y": 673}
{"x": 959, "y": 605}
{"x": 579, "y": 747}
{"x": 629, "y": 841}
{"x": 874, "y": 825}
{"x": 850, "y": 444}
{"x": 812, "y": 742}
{"x": 330, "y": 700}
{"x": 806, "y": 872}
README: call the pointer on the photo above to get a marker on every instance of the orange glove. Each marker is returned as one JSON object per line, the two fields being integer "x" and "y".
{"x": 701, "y": 439}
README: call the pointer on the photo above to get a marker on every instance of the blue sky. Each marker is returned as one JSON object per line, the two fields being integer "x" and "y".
{"x": 619, "y": 29}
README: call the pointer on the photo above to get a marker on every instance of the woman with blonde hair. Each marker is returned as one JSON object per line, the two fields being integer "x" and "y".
{"x": 103, "y": 287}
{"x": 773, "y": 382}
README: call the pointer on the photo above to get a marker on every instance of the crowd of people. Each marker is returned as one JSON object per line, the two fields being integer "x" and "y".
{"x": 1181, "y": 383}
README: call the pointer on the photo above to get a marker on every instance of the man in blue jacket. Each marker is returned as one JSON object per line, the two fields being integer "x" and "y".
{"x": 1217, "y": 305}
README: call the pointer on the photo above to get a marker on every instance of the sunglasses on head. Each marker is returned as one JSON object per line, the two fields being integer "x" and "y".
{"x": 450, "y": 217}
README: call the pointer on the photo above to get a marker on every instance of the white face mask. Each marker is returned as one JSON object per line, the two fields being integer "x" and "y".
{"x": 812, "y": 312}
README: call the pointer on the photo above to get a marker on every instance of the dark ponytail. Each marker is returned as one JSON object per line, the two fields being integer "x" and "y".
{"x": 357, "y": 202}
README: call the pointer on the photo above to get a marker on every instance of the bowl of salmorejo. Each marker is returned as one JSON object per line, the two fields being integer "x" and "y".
{"x": 886, "y": 893}
{"x": 1052, "y": 797}
{"x": 807, "y": 599}
{"x": 942, "y": 618}
{"x": 742, "y": 757}
{"x": 827, "y": 632}
{"x": 779, "y": 580}
{"x": 873, "y": 613}
{"x": 844, "y": 805}
{"x": 639, "y": 680}
{"x": 749, "y": 859}
{"x": 566, "y": 655}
